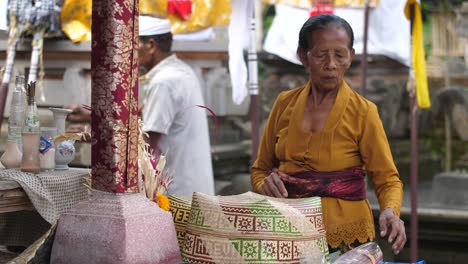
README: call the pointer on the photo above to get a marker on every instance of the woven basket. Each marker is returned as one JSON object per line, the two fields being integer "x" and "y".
{"x": 180, "y": 209}
{"x": 252, "y": 228}
{"x": 39, "y": 252}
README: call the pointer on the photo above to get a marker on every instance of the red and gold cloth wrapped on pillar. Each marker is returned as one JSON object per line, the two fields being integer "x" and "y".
{"x": 114, "y": 96}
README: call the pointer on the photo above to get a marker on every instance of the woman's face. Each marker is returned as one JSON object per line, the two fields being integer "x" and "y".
{"x": 328, "y": 57}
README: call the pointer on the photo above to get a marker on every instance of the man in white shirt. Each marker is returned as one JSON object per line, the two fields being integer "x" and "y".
{"x": 171, "y": 117}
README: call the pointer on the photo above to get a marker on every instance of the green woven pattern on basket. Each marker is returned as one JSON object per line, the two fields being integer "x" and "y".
{"x": 251, "y": 228}
{"x": 180, "y": 209}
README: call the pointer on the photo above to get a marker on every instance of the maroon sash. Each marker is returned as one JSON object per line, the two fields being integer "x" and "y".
{"x": 348, "y": 184}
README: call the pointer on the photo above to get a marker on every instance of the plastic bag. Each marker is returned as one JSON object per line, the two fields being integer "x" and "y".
{"x": 419, "y": 262}
{"x": 313, "y": 259}
{"x": 368, "y": 253}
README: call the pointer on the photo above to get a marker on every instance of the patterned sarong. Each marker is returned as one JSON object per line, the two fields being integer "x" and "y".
{"x": 348, "y": 184}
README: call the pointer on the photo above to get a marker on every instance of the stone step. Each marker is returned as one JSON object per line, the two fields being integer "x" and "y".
{"x": 449, "y": 188}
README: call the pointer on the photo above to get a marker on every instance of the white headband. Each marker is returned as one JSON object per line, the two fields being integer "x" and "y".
{"x": 150, "y": 26}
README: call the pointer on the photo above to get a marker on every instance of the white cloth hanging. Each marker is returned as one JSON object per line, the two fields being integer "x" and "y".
{"x": 3, "y": 15}
{"x": 206, "y": 34}
{"x": 241, "y": 15}
{"x": 388, "y": 30}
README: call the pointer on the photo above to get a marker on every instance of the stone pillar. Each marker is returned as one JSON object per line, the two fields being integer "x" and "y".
{"x": 117, "y": 225}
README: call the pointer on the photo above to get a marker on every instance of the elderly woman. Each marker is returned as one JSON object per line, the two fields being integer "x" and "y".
{"x": 320, "y": 136}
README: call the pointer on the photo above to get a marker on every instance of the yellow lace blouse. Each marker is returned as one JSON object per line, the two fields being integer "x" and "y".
{"x": 353, "y": 136}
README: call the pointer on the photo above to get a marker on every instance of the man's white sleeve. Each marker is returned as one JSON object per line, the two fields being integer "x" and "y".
{"x": 161, "y": 107}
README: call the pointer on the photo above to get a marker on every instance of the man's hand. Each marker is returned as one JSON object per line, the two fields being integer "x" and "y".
{"x": 140, "y": 110}
{"x": 153, "y": 140}
{"x": 395, "y": 227}
{"x": 79, "y": 114}
{"x": 77, "y": 128}
{"x": 273, "y": 185}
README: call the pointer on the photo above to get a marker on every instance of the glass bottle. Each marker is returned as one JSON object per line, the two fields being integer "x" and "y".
{"x": 31, "y": 134}
{"x": 11, "y": 158}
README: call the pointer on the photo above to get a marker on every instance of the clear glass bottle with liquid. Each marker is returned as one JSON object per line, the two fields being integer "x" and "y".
{"x": 31, "y": 134}
{"x": 11, "y": 158}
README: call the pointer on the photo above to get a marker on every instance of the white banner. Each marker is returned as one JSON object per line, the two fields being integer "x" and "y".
{"x": 3, "y": 14}
{"x": 388, "y": 30}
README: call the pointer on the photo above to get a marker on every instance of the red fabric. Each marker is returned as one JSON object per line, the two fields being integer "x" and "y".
{"x": 215, "y": 119}
{"x": 114, "y": 65}
{"x": 180, "y": 8}
{"x": 321, "y": 8}
{"x": 348, "y": 184}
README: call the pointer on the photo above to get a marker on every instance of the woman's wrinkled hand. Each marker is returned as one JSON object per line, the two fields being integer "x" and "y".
{"x": 395, "y": 228}
{"x": 273, "y": 185}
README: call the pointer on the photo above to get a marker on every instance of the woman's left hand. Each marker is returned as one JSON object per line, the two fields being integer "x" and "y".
{"x": 395, "y": 227}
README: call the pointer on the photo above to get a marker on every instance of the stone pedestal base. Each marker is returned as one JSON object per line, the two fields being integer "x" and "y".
{"x": 116, "y": 229}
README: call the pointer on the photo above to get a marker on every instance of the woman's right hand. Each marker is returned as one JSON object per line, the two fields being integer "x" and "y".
{"x": 273, "y": 185}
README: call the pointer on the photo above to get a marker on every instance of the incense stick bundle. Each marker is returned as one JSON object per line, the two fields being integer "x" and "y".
{"x": 14, "y": 34}
{"x": 39, "y": 23}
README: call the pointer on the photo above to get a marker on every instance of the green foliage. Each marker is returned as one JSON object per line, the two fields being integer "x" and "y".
{"x": 435, "y": 139}
{"x": 440, "y": 5}
{"x": 268, "y": 16}
{"x": 427, "y": 31}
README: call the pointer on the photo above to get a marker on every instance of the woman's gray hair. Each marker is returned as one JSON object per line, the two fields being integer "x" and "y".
{"x": 320, "y": 22}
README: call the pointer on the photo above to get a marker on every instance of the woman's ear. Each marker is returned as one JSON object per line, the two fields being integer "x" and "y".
{"x": 302, "y": 55}
{"x": 352, "y": 53}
